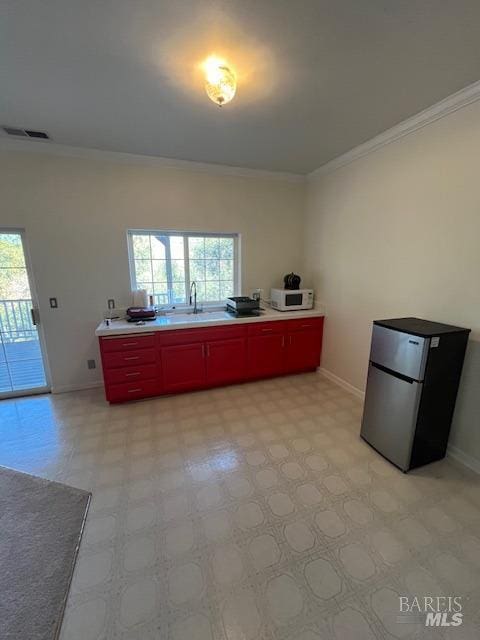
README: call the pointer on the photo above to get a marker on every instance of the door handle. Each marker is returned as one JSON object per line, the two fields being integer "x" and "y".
{"x": 34, "y": 315}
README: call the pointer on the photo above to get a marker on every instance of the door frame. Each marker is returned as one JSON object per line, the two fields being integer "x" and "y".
{"x": 39, "y": 326}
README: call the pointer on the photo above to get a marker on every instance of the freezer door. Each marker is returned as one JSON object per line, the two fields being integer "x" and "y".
{"x": 390, "y": 415}
{"x": 401, "y": 352}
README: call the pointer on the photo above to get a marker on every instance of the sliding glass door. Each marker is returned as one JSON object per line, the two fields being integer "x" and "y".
{"x": 22, "y": 368}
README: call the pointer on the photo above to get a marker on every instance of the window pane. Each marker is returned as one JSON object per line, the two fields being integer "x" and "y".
{"x": 212, "y": 291}
{"x": 211, "y": 270}
{"x": 196, "y": 248}
{"x": 176, "y": 248}
{"x": 160, "y": 291}
{"x": 11, "y": 254}
{"x": 226, "y": 270}
{"x": 212, "y": 247}
{"x": 160, "y": 266}
{"x": 178, "y": 271}
{"x": 159, "y": 269}
{"x": 178, "y": 293}
{"x": 14, "y": 284}
{"x": 197, "y": 270}
{"x": 226, "y": 290}
{"x": 226, "y": 248}
{"x": 143, "y": 270}
{"x": 141, "y": 247}
{"x": 158, "y": 247}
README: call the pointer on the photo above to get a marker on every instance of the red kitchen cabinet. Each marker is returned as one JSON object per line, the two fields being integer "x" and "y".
{"x": 303, "y": 350}
{"x": 226, "y": 361}
{"x": 266, "y": 355}
{"x": 183, "y": 367}
{"x": 138, "y": 366}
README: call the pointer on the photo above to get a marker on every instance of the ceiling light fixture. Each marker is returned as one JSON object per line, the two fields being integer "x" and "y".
{"x": 220, "y": 81}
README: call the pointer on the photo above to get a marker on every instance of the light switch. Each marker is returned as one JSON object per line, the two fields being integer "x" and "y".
{"x": 53, "y": 303}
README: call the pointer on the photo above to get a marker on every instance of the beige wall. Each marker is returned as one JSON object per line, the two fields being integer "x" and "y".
{"x": 397, "y": 233}
{"x": 76, "y": 213}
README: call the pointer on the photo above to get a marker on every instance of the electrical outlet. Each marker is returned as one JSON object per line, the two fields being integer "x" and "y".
{"x": 91, "y": 364}
{"x": 53, "y": 303}
{"x": 111, "y": 303}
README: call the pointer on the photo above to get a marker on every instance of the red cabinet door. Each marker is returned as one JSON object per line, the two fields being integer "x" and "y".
{"x": 303, "y": 350}
{"x": 183, "y": 367}
{"x": 266, "y": 355}
{"x": 226, "y": 361}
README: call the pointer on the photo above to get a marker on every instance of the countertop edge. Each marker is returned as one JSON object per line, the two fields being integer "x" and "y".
{"x": 270, "y": 316}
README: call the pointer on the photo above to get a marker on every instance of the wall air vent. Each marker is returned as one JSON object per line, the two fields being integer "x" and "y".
{"x": 26, "y": 133}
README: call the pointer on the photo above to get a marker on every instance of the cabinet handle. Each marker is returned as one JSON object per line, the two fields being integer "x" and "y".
{"x": 132, "y": 358}
{"x": 203, "y": 351}
{"x": 290, "y": 341}
{"x": 306, "y": 326}
{"x": 265, "y": 330}
{"x": 134, "y": 390}
{"x": 208, "y": 351}
{"x": 129, "y": 344}
{"x": 283, "y": 341}
{"x": 134, "y": 373}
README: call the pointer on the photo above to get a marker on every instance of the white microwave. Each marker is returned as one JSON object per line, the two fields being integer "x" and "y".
{"x": 291, "y": 299}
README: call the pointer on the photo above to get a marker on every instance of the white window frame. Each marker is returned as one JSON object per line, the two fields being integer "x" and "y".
{"x": 188, "y": 234}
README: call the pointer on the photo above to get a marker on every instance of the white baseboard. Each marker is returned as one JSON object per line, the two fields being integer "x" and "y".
{"x": 66, "y": 388}
{"x": 342, "y": 383}
{"x": 463, "y": 458}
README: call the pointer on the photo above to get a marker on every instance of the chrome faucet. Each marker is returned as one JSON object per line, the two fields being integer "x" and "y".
{"x": 194, "y": 285}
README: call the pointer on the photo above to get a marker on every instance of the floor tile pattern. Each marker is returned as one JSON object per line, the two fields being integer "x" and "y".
{"x": 251, "y": 512}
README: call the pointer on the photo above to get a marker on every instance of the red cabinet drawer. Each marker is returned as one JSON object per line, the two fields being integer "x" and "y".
{"x": 131, "y": 390}
{"x": 305, "y": 324}
{"x": 129, "y": 358}
{"x": 131, "y": 374}
{"x": 266, "y": 328}
{"x": 127, "y": 343}
{"x": 202, "y": 334}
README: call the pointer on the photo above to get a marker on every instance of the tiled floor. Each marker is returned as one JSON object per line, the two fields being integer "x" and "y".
{"x": 249, "y": 512}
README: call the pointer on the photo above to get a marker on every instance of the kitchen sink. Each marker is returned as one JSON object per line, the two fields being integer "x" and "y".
{"x": 203, "y": 316}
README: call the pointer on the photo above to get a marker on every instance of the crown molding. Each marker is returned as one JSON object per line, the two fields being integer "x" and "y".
{"x": 118, "y": 157}
{"x": 448, "y": 105}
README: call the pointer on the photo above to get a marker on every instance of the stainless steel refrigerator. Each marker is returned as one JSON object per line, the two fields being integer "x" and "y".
{"x": 413, "y": 377}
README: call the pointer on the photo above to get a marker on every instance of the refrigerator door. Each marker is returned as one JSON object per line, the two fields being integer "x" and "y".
{"x": 390, "y": 415}
{"x": 401, "y": 352}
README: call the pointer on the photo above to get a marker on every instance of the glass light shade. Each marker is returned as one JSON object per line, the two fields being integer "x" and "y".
{"x": 220, "y": 81}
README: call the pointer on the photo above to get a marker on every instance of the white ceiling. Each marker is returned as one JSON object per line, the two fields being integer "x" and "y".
{"x": 316, "y": 77}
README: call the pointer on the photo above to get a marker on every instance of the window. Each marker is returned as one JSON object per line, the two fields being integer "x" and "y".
{"x": 165, "y": 263}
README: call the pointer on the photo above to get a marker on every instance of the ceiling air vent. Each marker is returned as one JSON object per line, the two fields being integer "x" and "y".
{"x": 26, "y": 133}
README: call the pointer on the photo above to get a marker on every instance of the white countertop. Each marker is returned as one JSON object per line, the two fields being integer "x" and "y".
{"x": 205, "y": 319}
